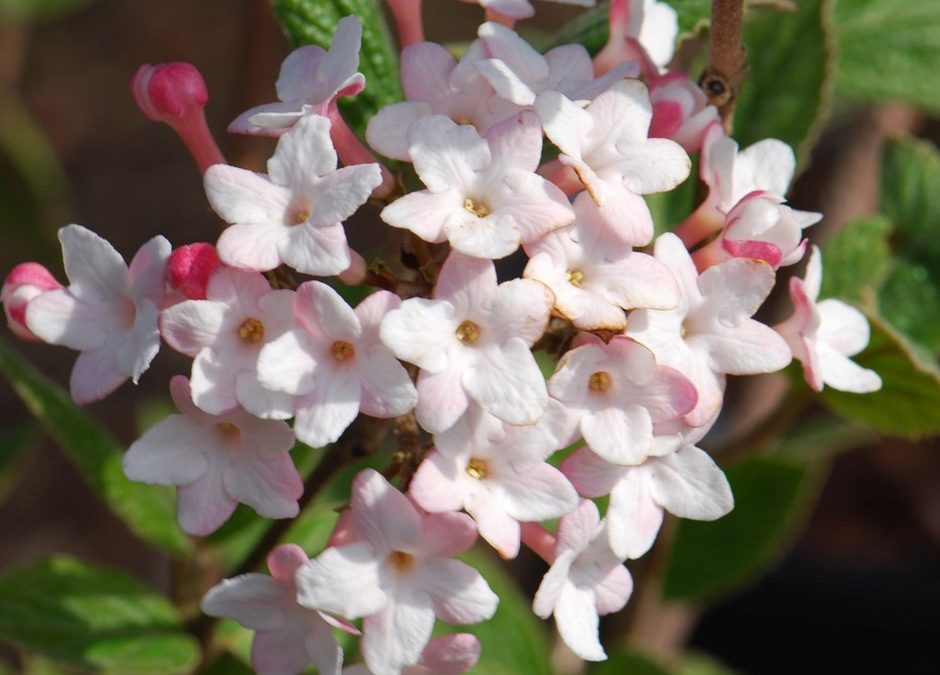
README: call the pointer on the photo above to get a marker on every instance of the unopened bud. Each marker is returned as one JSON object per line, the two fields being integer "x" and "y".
{"x": 25, "y": 282}
{"x": 190, "y": 267}
{"x": 175, "y": 93}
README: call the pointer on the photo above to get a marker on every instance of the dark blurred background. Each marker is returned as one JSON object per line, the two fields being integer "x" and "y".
{"x": 859, "y": 591}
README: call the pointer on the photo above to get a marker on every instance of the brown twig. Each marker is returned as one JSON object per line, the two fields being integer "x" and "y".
{"x": 726, "y": 69}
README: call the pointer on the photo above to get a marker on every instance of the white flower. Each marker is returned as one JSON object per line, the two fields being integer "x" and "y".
{"x": 108, "y": 312}
{"x": 294, "y": 214}
{"x": 824, "y": 334}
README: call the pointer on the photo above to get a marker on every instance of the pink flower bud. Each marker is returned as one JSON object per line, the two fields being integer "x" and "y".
{"x": 25, "y": 282}
{"x": 190, "y": 267}
{"x": 175, "y": 93}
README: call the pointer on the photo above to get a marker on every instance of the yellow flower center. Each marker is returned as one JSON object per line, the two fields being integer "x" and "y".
{"x": 600, "y": 381}
{"x": 468, "y": 332}
{"x": 477, "y": 209}
{"x": 343, "y": 351}
{"x": 476, "y": 468}
{"x": 227, "y": 429}
{"x": 299, "y": 214}
{"x": 575, "y": 277}
{"x": 251, "y": 330}
{"x": 401, "y": 561}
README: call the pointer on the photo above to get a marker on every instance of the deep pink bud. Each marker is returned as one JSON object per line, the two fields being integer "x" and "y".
{"x": 23, "y": 283}
{"x": 190, "y": 267}
{"x": 175, "y": 93}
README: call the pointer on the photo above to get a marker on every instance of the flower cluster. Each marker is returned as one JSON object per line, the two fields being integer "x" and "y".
{"x": 643, "y": 331}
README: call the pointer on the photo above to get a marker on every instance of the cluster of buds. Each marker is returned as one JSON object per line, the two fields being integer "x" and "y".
{"x": 644, "y": 341}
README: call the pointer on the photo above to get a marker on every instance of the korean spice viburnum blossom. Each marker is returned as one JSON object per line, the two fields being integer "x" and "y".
{"x": 639, "y": 25}
{"x": 483, "y": 195}
{"x": 311, "y": 78}
{"x": 519, "y": 73}
{"x": 617, "y": 391}
{"x": 687, "y": 483}
{"x": 434, "y": 83}
{"x": 334, "y": 363}
{"x": 594, "y": 275}
{"x": 472, "y": 343}
{"x": 25, "y": 282}
{"x": 288, "y": 637}
{"x": 108, "y": 312}
{"x": 710, "y": 333}
{"x": 224, "y": 334}
{"x": 823, "y": 335}
{"x": 607, "y": 144}
{"x": 398, "y": 574}
{"x": 446, "y": 655}
{"x": 294, "y": 214}
{"x": 217, "y": 461}
{"x": 586, "y": 580}
{"x": 760, "y": 226}
{"x": 498, "y": 473}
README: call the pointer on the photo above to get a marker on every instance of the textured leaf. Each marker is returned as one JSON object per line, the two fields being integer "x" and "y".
{"x": 313, "y": 22}
{"x": 94, "y": 617}
{"x": 908, "y": 403}
{"x": 146, "y": 509}
{"x": 772, "y": 498}
{"x": 791, "y": 61}
{"x": 856, "y": 261}
{"x": 889, "y": 49}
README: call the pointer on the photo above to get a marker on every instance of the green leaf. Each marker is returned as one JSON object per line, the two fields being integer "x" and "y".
{"x": 313, "y": 22}
{"x": 146, "y": 509}
{"x": 93, "y": 617}
{"x": 628, "y": 662}
{"x": 909, "y": 399}
{"x": 889, "y": 49}
{"x": 772, "y": 498}
{"x": 856, "y": 261}
{"x": 909, "y": 300}
{"x": 791, "y": 61}
{"x": 16, "y": 440}
{"x": 514, "y": 640}
{"x": 227, "y": 664}
{"x": 32, "y": 10}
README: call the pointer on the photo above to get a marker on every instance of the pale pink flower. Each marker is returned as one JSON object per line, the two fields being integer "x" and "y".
{"x": 520, "y": 9}
{"x": 711, "y": 333}
{"x": 472, "y": 342}
{"x": 680, "y": 111}
{"x": 618, "y": 392}
{"x": 108, "y": 312}
{"x": 824, "y": 334}
{"x": 519, "y": 73}
{"x": 398, "y": 575}
{"x": 498, "y": 474}
{"x": 482, "y": 195}
{"x": 217, "y": 461}
{"x": 434, "y": 83}
{"x": 25, "y": 282}
{"x": 224, "y": 334}
{"x": 294, "y": 214}
{"x": 594, "y": 275}
{"x": 607, "y": 143}
{"x": 447, "y": 655}
{"x": 586, "y": 580}
{"x": 645, "y": 24}
{"x": 760, "y": 226}
{"x": 288, "y": 637}
{"x": 687, "y": 483}
{"x": 335, "y": 365}
{"x": 310, "y": 79}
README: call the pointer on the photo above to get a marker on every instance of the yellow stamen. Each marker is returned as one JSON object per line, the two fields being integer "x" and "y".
{"x": 468, "y": 332}
{"x": 227, "y": 429}
{"x": 477, "y": 209}
{"x": 575, "y": 277}
{"x": 251, "y": 330}
{"x": 401, "y": 560}
{"x": 343, "y": 351}
{"x": 600, "y": 381}
{"x": 476, "y": 468}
